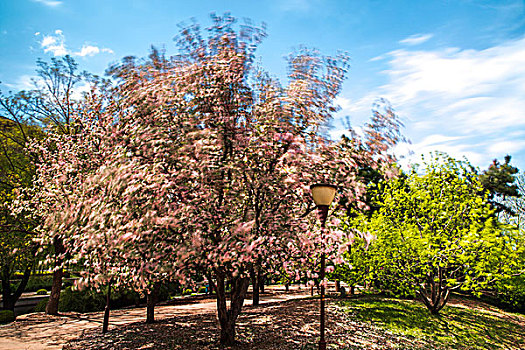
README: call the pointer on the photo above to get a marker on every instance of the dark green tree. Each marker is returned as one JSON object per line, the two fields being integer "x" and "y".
{"x": 499, "y": 181}
{"x": 17, "y": 168}
{"x": 50, "y": 106}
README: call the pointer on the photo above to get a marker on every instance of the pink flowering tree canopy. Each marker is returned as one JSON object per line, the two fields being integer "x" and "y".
{"x": 203, "y": 162}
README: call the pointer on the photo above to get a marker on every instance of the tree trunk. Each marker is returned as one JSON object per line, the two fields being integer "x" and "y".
{"x": 227, "y": 317}
{"x": 287, "y": 287}
{"x": 436, "y": 294}
{"x": 105, "y": 324}
{"x": 255, "y": 287}
{"x": 151, "y": 300}
{"x": 58, "y": 273}
{"x": 337, "y": 286}
{"x": 9, "y": 300}
{"x": 352, "y": 290}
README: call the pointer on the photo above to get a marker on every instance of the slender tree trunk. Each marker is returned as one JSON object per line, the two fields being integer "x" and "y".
{"x": 9, "y": 300}
{"x": 151, "y": 300}
{"x": 227, "y": 317}
{"x": 352, "y": 290}
{"x": 255, "y": 287}
{"x": 287, "y": 287}
{"x": 7, "y": 303}
{"x": 105, "y": 324}
{"x": 58, "y": 273}
{"x": 337, "y": 286}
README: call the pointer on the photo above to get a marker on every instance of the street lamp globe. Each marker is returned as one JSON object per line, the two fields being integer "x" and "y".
{"x": 323, "y": 193}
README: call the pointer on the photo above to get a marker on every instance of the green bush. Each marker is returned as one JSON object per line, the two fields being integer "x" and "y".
{"x": 88, "y": 300}
{"x": 187, "y": 292}
{"x": 41, "y": 292}
{"x": 6, "y": 316}
{"x": 510, "y": 295}
{"x": 123, "y": 298}
{"x": 81, "y": 300}
{"x": 41, "y": 282}
{"x": 164, "y": 293}
{"x": 35, "y": 283}
{"x": 41, "y": 306}
{"x": 202, "y": 289}
{"x": 173, "y": 289}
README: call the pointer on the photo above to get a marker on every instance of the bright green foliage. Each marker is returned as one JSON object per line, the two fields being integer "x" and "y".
{"x": 435, "y": 233}
{"x": 17, "y": 250}
{"x": 510, "y": 292}
{"x": 457, "y": 327}
{"x": 355, "y": 268}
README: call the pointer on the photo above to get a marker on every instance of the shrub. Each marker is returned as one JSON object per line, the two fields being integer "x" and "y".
{"x": 187, "y": 292}
{"x": 6, "y": 316}
{"x": 81, "y": 301}
{"x": 122, "y": 298}
{"x": 510, "y": 294}
{"x": 88, "y": 300}
{"x": 164, "y": 293}
{"x": 202, "y": 289}
{"x": 35, "y": 283}
{"x": 41, "y": 292}
{"x": 41, "y": 306}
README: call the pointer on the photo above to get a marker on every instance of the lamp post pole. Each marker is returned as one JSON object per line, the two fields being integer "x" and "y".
{"x": 323, "y": 195}
{"x": 323, "y": 214}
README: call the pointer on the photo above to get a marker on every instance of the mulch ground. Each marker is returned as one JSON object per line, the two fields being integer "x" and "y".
{"x": 287, "y": 325}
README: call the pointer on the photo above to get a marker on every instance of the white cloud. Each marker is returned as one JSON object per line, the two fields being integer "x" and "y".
{"x": 56, "y": 44}
{"x": 80, "y": 89}
{"x": 466, "y": 102}
{"x": 88, "y": 50}
{"x": 416, "y": 39}
{"x": 50, "y": 3}
{"x": 504, "y": 147}
{"x": 24, "y": 82}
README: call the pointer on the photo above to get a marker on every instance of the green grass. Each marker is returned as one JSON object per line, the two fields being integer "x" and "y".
{"x": 454, "y": 328}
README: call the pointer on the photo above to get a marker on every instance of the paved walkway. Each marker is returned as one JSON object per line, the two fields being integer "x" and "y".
{"x": 38, "y": 331}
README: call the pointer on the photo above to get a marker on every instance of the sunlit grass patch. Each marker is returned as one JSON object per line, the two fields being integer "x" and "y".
{"x": 455, "y": 327}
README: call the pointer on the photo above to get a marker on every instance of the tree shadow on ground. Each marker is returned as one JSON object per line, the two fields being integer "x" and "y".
{"x": 351, "y": 324}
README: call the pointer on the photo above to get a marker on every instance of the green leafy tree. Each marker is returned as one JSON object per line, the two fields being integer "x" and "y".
{"x": 516, "y": 205}
{"x": 510, "y": 292}
{"x": 435, "y": 233}
{"x": 50, "y": 106}
{"x": 17, "y": 249}
{"x": 499, "y": 181}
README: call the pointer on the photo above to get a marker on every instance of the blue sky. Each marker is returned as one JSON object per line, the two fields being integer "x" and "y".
{"x": 453, "y": 70}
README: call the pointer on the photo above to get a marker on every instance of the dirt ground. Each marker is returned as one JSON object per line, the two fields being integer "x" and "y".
{"x": 37, "y": 331}
{"x": 283, "y": 321}
{"x": 292, "y": 325}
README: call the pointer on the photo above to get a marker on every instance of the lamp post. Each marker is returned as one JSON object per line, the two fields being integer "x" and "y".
{"x": 323, "y": 195}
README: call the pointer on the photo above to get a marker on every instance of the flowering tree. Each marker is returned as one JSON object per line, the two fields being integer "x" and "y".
{"x": 203, "y": 162}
